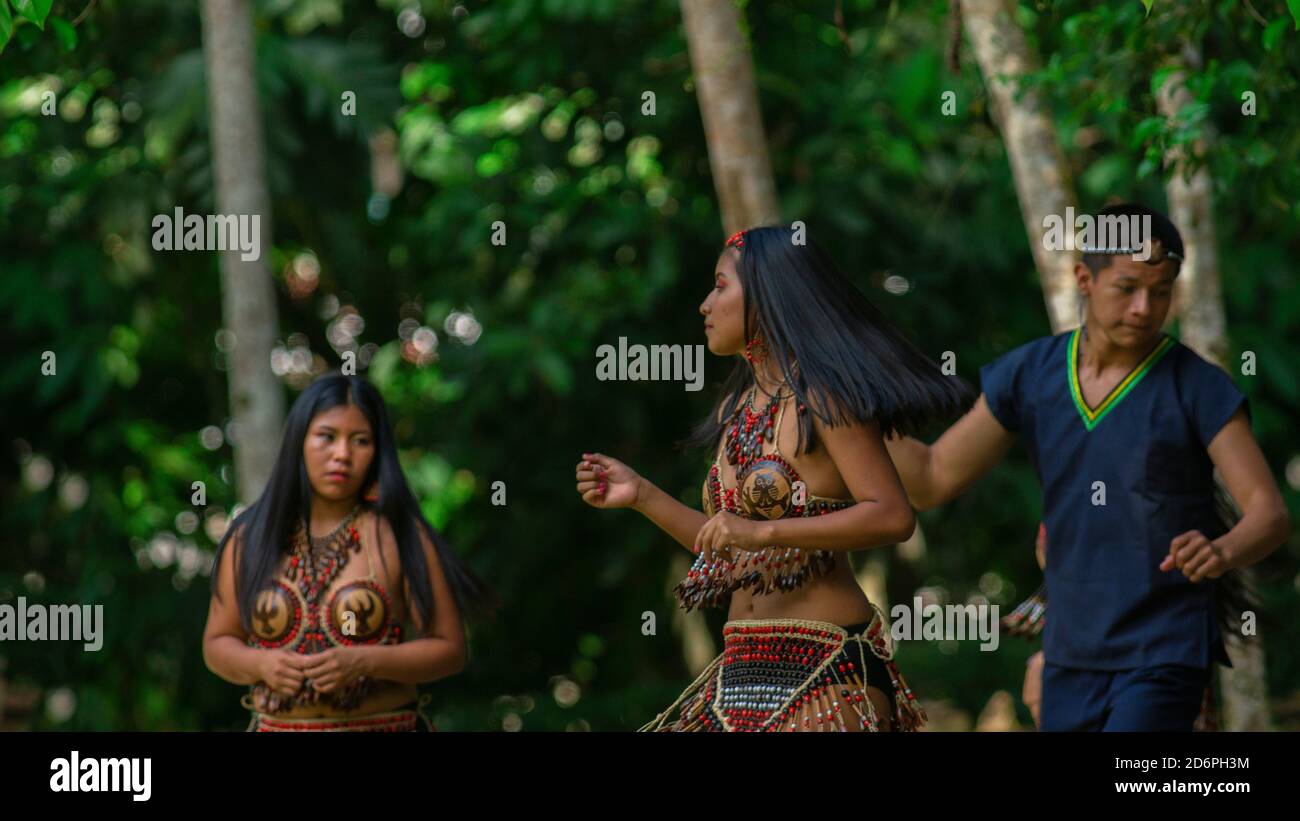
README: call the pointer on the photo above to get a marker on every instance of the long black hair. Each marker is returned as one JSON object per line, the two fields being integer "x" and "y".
{"x": 268, "y": 523}
{"x": 844, "y": 361}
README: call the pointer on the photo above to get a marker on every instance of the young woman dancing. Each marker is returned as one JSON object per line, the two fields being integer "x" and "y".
{"x": 800, "y": 477}
{"x": 315, "y": 581}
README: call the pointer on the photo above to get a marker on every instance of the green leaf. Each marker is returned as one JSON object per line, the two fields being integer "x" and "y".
{"x": 6, "y": 24}
{"x": 1274, "y": 33}
{"x": 1284, "y": 378}
{"x": 1158, "y": 78}
{"x": 1147, "y": 129}
{"x": 34, "y": 10}
{"x": 1294, "y": 6}
{"x": 1193, "y": 113}
{"x": 554, "y": 371}
{"x": 64, "y": 31}
{"x": 1075, "y": 24}
{"x": 1106, "y": 175}
{"x": 1260, "y": 154}
{"x": 1147, "y": 5}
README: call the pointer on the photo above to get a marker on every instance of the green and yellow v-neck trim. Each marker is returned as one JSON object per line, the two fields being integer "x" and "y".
{"x": 1093, "y": 416}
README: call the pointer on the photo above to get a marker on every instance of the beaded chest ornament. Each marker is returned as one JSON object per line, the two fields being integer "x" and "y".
{"x": 767, "y": 487}
{"x": 314, "y": 564}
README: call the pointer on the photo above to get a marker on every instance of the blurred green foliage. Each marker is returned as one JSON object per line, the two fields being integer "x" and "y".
{"x": 530, "y": 112}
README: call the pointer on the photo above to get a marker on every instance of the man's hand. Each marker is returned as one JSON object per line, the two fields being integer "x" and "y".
{"x": 1198, "y": 557}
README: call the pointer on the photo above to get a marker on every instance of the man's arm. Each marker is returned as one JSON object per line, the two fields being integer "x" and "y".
{"x": 934, "y": 474}
{"x": 1265, "y": 523}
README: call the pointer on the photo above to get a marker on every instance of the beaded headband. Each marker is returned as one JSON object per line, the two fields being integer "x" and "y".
{"x": 1174, "y": 255}
{"x": 737, "y": 239}
{"x": 1134, "y": 250}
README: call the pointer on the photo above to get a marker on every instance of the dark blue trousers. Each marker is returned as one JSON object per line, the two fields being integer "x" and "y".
{"x": 1161, "y": 698}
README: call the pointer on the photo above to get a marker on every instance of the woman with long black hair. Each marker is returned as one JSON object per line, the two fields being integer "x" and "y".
{"x": 824, "y": 372}
{"x": 316, "y": 580}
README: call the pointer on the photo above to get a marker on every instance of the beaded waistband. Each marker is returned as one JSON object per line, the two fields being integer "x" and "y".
{"x": 402, "y": 719}
{"x": 395, "y": 721}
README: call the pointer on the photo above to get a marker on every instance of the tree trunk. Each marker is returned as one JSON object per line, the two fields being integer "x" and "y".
{"x": 733, "y": 126}
{"x": 1043, "y": 183}
{"x": 742, "y": 175}
{"x": 1203, "y": 328}
{"x": 247, "y": 296}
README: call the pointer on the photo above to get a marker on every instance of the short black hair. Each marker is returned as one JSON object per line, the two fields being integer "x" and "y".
{"x": 1162, "y": 228}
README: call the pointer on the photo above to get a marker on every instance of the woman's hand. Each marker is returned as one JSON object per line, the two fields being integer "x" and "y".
{"x": 607, "y": 483}
{"x": 281, "y": 670}
{"x": 335, "y": 668}
{"x": 727, "y": 531}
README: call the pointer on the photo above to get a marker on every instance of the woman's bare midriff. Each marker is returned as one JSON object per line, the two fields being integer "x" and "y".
{"x": 835, "y": 598}
{"x": 386, "y": 696}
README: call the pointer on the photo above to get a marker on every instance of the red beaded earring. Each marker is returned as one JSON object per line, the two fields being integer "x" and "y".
{"x": 372, "y": 493}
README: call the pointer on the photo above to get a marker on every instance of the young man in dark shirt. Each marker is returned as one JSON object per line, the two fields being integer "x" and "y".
{"x": 1125, "y": 426}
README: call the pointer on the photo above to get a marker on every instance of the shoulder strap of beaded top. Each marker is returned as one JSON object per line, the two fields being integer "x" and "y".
{"x": 722, "y": 443}
{"x": 780, "y": 415}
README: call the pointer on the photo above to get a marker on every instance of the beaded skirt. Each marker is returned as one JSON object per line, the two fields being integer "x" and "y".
{"x": 791, "y": 675}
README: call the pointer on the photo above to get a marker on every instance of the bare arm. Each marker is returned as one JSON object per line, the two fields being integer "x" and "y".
{"x": 225, "y": 644}
{"x": 225, "y": 648}
{"x": 934, "y": 474}
{"x": 1265, "y": 523}
{"x": 674, "y": 518}
{"x": 441, "y": 650}
{"x": 607, "y": 483}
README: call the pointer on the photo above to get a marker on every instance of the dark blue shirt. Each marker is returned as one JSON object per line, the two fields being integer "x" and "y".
{"x": 1111, "y": 607}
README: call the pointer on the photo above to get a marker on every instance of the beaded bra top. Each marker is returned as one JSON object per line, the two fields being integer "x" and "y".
{"x": 767, "y": 487}
{"x": 295, "y": 613}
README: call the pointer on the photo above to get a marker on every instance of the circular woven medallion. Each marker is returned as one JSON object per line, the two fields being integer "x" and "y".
{"x": 277, "y": 615}
{"x": 766, "y": 488}
{"x": 358, "y": 613}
